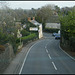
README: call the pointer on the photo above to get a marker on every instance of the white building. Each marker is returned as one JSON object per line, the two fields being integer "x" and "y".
{"x": 37, "y": 24}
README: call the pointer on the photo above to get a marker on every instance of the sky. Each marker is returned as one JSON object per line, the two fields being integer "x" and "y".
{"x": 38, "y": 4}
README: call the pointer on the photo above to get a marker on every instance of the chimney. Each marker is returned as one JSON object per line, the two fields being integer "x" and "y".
{"x": 33, "y": 18}
{"x": 29, "y": 19}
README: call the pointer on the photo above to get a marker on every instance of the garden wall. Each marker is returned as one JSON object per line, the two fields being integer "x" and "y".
{"x": 6, "y": 57}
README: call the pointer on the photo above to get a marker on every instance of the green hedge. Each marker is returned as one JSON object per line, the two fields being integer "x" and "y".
{"x": 51, "y": 30}
{"x": 24, "y": 33}
{"x": 27, "y": 38}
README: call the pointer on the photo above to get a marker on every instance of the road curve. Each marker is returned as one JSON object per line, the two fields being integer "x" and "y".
{"x": 45, "y": 57}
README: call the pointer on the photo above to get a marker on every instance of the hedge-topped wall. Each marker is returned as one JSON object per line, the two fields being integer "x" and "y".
{"x": 25, "y": 39}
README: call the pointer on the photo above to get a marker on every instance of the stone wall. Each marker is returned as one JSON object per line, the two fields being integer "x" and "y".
{"x": 6, "y": 57}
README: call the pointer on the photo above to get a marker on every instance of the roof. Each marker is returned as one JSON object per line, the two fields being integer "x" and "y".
{"x": 53, "y": 25}
{"x": 35, "y": 22}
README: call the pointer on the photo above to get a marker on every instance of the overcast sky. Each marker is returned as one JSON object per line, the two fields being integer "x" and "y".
{"x": 38, "y": 4}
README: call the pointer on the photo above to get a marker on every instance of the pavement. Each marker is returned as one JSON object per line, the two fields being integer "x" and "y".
{"x": 16, "y": 64}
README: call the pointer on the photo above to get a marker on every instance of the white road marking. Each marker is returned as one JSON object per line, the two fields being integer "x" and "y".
{"x": 25, "y": 60}
{"x": 49, "y": 56}
{"x": 26, "y": 57}
{"x": 54, "y": 66}
{"x": 46, "y": 50}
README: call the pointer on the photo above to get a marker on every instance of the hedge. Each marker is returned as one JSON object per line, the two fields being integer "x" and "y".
{"x": 27, "y": 38}
{"x": 24, "y": 33}
{"x": 51, "y": 30}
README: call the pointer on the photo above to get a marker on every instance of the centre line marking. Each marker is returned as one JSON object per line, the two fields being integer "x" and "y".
{"x": 54, "y": 65}
{"x": 46, "y": 50}
{"x": 49, "y": 56}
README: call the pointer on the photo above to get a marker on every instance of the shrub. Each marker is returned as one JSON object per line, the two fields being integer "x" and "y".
{"x": 12, "y": 40}
{"x": 3, "y": 38}
{"x": 51, "y": 30}
{"x": 24, "y": 32}
{"x": 27, "y": 38}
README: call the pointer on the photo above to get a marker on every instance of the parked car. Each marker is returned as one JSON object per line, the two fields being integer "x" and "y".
{"x": 54, "y": 34}
{"x": 57, "y": 36}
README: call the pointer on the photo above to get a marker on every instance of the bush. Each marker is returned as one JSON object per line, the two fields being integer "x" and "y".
{"x": 24, "y": 33}
{"x": 72, "y": 43}
{"x": 27, "y": 38}
{"x": 3, "y": 38}
{"x": 12, "y": 40}
{"x": 8, "y": 38}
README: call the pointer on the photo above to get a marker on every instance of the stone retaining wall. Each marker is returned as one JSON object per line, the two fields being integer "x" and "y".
{"x": 6, "y": 57}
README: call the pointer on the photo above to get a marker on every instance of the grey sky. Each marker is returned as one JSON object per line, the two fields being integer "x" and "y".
{"x": 38, "y": 4}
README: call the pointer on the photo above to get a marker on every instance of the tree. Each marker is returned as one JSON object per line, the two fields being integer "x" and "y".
{"x": 57, "y": 9}
{"x": 68, "y": 28}
{"x": 43, "y": 14}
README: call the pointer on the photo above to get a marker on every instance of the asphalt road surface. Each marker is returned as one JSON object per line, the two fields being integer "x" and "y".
{"x": 45, "y": 57}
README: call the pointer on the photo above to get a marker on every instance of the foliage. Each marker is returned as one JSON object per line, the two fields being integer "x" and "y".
{"x": 57, "y": 9}
{"x": 3, "y": 38}
{"x": 44, "y": 13}
{"x": 24, "y": 20}
{"x": 24, "y": 32}
{"x": 72, "y": 43}
{"x": 8, "y": 38}
{"x": 12, "y": 40}
{"x": 51, "y": 30}
{"x": 27, "y": 38}
{"x": 68, "y": 27}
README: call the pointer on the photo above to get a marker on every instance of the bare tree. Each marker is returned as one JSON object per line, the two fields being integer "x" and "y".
{"x": 45, "y": 12}
{"x": 4, "y": 4}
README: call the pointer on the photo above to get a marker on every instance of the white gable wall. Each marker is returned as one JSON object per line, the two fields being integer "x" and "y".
{"x": 52, "y": 25}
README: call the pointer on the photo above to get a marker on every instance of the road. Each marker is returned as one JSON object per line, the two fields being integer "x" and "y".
{"x": 45, "y": 57}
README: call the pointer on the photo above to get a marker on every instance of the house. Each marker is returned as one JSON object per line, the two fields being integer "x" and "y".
{"x": 53, "y": 21}
{"x": 53, "y": 25}
{"x": 33, "y": 21}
